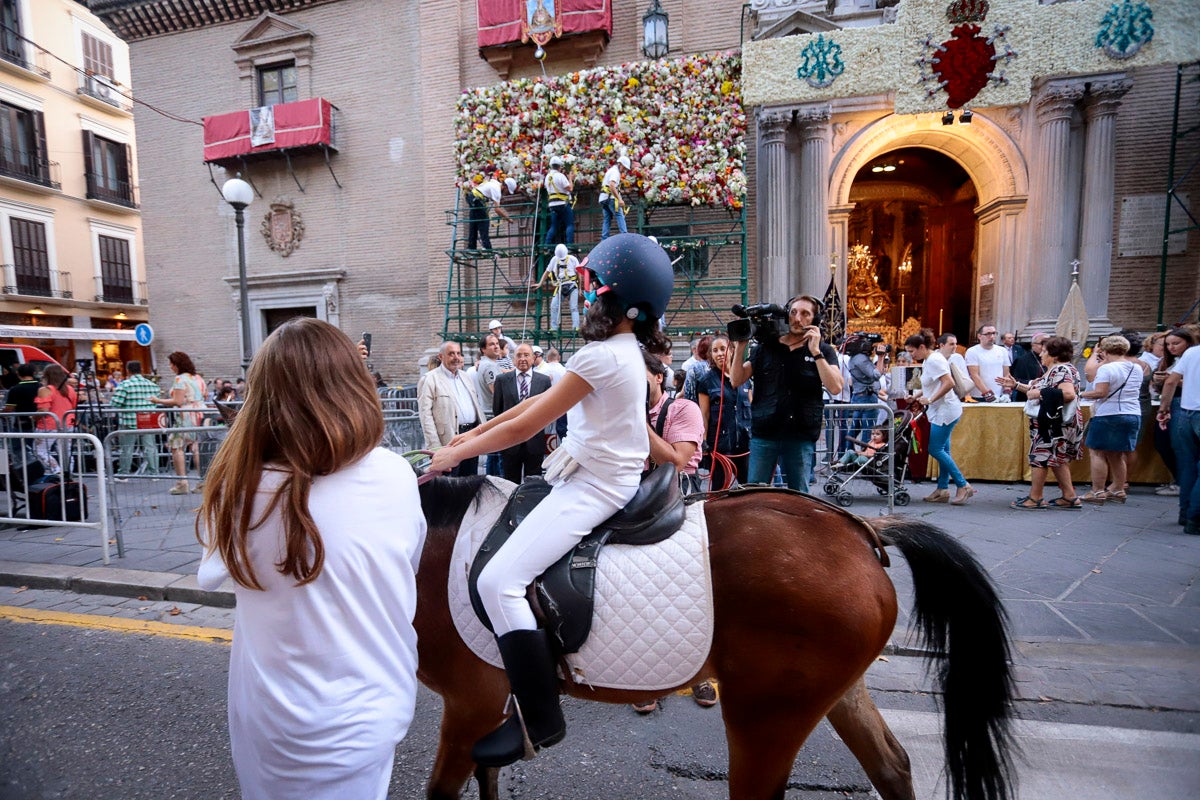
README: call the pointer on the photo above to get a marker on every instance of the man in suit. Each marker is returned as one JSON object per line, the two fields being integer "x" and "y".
{"x": 511, "y": 389}
{"x": 1028, "y": 365}
{"x": 447, "y": 404}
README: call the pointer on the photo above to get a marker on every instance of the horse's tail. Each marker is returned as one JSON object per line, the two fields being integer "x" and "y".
{"x": 962, "y": 625}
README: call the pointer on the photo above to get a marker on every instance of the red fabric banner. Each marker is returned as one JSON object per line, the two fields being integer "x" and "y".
{"x": 299, "y": 124}
{"x": 502, "y": 21}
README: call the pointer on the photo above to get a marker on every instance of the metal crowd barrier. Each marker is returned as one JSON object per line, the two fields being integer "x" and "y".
{"x": 30, "y": 500}
{"x": 402, "y": 430}
{"x": 847, "y": 427}
{"x": 140, "y": 478}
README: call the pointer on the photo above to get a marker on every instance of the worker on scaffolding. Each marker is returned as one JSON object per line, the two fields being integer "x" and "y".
{"x": 610, "y": 197}
{"x": 563, "y": 278}
{"x": 478, "y": 199}
{"x": 559, "y": 187}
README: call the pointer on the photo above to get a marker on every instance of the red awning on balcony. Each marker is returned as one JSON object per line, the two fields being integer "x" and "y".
{"x": 299, "y": 125}
{"x": 503, "y": 21}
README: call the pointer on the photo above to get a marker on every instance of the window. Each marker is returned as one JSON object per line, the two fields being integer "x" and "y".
{"x": 31, "y": 257}
{"x": 11, "y": 47}
{"x": 275, "y": 317}
{"x": 107, "y": 165}
{"x": 23, "y": 145}
{"x": 97, "y": 56}
{"x": 277, "y": 84}
{"x": 116, "y": 273}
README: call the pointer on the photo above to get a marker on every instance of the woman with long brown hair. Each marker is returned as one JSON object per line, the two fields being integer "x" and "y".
{"x": 321, "y": 530}
{"x": 56, "y": 396}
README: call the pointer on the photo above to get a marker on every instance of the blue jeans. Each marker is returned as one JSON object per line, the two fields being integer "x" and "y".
{"x": 939, "y": 449}
{"x": 562, "y": 221}
{"x": 795, "y": 457}
{"x": 610, "y": 210}
{"x": 1185, "y": 436}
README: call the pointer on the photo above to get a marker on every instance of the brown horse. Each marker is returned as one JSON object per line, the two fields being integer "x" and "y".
{"x": 802, "y": 606}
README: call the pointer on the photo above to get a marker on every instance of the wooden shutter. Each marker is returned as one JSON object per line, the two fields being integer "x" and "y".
{"x": 41, "y": 155}
{"x": 89, "y": 169}
{"x": 115, "y": 270}
{"x": 97, "y": 57}
{"x": 31, "y": 258}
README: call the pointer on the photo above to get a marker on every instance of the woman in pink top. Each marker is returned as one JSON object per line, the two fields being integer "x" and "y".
{"x": 58, "y": 397}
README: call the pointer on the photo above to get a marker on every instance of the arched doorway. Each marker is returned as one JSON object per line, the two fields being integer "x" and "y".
{"x": 912, "y": 240}
{"x": 995, "y": 275}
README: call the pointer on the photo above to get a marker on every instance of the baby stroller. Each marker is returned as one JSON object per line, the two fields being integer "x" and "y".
{"x": 875, "y": 469}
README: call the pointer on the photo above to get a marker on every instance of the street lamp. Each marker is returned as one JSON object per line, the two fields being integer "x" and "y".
{"x": 239, "y": 194}
{"x": 655, "y": 43}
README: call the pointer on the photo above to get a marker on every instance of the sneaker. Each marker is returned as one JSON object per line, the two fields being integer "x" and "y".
{"x": 705, "y": 694}
{"x": 180, "y": 487}
{"x": 199, "y": 488}
{"x": 1168, "y": 490}
{"x": 120, "y": 480}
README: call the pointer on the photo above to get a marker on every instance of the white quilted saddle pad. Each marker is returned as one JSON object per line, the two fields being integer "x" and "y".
{"x": 653, "y": 614}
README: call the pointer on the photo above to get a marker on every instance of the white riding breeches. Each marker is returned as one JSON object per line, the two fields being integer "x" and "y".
{"x": 575, "y": 506}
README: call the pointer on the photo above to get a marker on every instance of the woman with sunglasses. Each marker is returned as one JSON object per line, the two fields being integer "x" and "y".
{"x": 594, "y": 473}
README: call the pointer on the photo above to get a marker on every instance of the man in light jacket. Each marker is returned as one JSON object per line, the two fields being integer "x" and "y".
{"x": 447, "y": 404}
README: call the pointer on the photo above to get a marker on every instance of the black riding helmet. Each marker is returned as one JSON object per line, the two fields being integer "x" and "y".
{"x": 635, "y": 269}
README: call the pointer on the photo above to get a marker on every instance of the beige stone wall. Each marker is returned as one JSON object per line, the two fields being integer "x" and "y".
{"x": 55, "y": 25}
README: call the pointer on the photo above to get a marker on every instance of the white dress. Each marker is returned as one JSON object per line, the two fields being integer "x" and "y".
{"x": 322, "y": 677}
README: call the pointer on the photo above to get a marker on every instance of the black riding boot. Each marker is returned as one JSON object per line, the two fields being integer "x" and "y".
{"x": 534, "y": 680}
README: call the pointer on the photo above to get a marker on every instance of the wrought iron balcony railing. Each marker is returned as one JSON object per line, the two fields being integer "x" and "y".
{"x": 26, "y": 166}
{"x": 101, "y": 187}
{"x": 20, "y": 279}
{"x": 131, "y": 293}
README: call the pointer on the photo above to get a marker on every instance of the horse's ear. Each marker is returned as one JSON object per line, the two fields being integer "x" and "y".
{"x": 228, "y": 413}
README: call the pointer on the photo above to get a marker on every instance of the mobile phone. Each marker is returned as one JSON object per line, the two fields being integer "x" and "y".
{"x": 366, "y": 339}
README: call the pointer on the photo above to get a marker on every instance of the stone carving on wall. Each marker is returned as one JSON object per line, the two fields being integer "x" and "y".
{"x": 330, "y": 292}
{"x": 283, "y": 228}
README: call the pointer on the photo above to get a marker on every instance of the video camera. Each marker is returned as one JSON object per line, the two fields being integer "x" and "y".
{"x": 762, "y": 321}
{"x": 866, "y": 343}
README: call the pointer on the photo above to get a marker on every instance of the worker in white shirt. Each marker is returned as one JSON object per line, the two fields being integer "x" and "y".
{"x": 478, "y": 200}
{"x": 610, "y": 197}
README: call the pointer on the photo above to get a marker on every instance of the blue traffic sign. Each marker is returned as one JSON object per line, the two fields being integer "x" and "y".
{"x": 144, "y": 334}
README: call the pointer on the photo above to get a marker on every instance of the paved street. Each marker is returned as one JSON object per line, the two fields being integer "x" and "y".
{"x": 1103, "y": 604}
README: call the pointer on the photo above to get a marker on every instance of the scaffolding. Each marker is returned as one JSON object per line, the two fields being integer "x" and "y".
{"x": 1176, "y": 176}
{"x": 707, "y": 246}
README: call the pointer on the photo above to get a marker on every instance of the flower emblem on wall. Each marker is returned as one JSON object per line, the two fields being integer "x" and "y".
{"x": 822, "y": 63}
{"x": 680, "y": 121}
{"x": 968, "y": 61}
{"x": 1124, "y": 29}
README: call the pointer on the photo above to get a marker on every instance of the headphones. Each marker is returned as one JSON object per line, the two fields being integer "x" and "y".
{"x": 817, "y": 304}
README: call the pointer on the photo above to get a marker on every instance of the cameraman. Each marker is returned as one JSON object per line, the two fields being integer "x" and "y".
{"x": 865, "y": 376}
{"x": 787, "y": 408}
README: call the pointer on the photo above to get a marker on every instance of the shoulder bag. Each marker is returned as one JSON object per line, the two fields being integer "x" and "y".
{"x": 962, "y": 382}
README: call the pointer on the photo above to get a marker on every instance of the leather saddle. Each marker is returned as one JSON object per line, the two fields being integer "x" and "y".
{"x": 564, "y": 593}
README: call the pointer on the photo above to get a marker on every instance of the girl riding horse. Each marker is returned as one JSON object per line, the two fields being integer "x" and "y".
{"x": 594, "y": 473}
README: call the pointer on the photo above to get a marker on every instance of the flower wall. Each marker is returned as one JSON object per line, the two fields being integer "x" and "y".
{"x": 680, "y": 121}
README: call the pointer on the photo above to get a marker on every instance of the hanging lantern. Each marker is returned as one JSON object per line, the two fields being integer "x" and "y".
{"x": 655, "y": 43}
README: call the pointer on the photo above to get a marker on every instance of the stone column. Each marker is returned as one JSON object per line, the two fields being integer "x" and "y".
{"x": 1099, "y": 169}
{"x": 839, "y": 223}
{"x": 1052, "y": 252}
{"x": 773, "y": 208}
{"x": 812, "y": 274}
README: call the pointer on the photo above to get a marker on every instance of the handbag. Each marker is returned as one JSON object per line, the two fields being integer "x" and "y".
{"x": 962, "y": 383}
{"x": 1034, "y": 407}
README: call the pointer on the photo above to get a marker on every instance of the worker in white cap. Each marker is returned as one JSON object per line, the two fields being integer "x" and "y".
{"x": 497, "y": 327}
{"x": 562, "y": 217}
{"x": 479, "y": 197}
{"x": 563, "y": 278}
{"x": 610, "y": 197}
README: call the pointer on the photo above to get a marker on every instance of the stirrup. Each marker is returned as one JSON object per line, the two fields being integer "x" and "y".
{"x": 513, "y": 709}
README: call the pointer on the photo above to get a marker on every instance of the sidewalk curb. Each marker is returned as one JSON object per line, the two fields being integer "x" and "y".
{"x": 115, "y": 582}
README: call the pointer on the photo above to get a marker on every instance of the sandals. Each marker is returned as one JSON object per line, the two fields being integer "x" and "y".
{"x": 1072, "y": 503}
{"x": 1117, "y": 497}
{"x": 1027, "y": 503}
{"x": 1095, "y": 497}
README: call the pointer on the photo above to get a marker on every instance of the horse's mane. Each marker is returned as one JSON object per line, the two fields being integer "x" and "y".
{"x": 445, "y": 500}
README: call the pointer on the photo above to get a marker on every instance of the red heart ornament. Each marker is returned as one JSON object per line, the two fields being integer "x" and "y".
{"x": 964, "y": 64}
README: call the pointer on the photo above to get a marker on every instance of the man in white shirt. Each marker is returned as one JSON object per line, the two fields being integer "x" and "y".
{"x": 985, "y": 363}
{"x": 447, "y": 404}
{"x": 610, "y": 198}
{"x": 552, "y": 366}
{"x": 558, "y": 192}
{"x": 1185, "y": 433}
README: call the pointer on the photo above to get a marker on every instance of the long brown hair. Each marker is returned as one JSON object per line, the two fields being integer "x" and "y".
{"x": 315, "y": 426}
